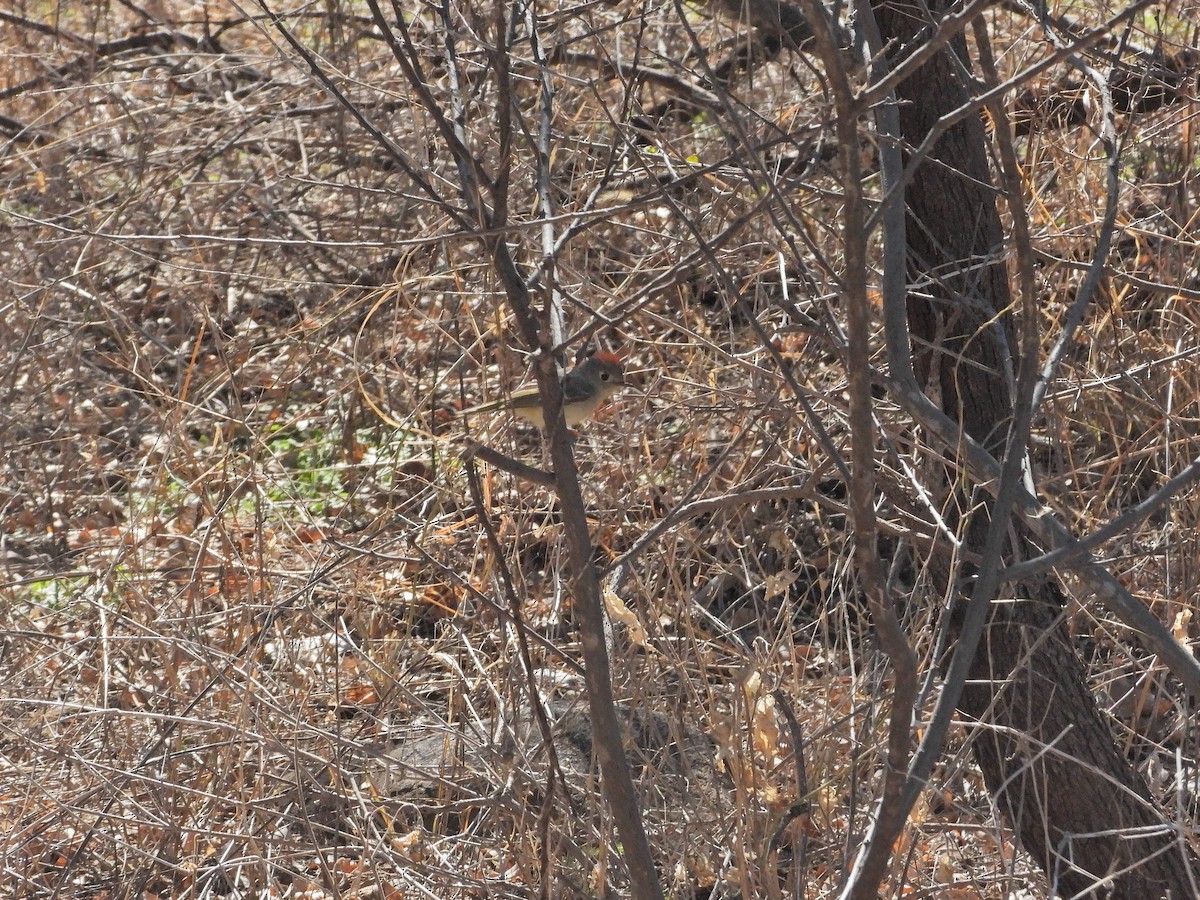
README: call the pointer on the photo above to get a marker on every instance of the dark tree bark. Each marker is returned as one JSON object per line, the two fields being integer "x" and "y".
{"x": 1046, "y": 750}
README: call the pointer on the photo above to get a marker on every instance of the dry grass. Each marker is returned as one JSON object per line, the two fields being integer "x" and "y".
{"x": 239, "y": 557}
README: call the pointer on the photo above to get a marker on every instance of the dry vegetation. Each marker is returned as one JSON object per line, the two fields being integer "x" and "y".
{"x": 239, "y": 561}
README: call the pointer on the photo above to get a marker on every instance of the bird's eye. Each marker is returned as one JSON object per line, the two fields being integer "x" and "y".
{"x": 604, "y": 376}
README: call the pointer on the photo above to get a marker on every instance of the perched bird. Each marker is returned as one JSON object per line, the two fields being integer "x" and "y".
{"x": 584, "y": 388}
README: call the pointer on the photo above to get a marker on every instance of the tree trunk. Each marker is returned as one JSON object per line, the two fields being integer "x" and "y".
{"x": 1046, "y": 750}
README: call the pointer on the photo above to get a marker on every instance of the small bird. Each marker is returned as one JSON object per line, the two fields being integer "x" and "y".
{"x": 584, "y": 388}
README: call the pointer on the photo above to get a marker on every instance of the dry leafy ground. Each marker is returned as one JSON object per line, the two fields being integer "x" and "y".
{"x": 239, "y": 557}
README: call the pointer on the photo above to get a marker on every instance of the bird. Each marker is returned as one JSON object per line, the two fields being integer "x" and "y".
{"x": 584, "y": 389}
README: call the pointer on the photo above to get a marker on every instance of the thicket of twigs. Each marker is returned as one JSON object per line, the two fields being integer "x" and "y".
{"x": 240, "y": 560}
